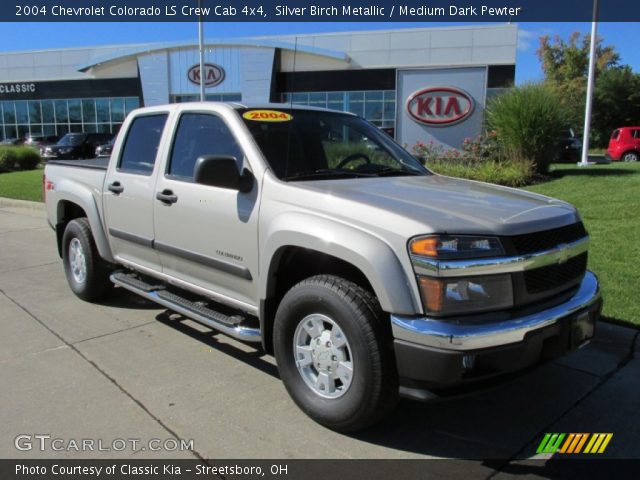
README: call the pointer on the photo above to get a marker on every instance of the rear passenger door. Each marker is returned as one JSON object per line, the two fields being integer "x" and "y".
{"x": 129, "y": 192}
{"x": 207, "y": 236}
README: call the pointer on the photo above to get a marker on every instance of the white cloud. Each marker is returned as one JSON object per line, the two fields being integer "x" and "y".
{"x": 525, "y": 39}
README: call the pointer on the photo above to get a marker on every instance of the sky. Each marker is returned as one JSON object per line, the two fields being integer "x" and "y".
{"x": 624, "y": 36}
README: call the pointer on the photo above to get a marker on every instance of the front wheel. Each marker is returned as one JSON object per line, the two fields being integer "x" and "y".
{"x": 334, "y": 353}
{"x": 630, "y": 157}
{"x": 86, "y": 272}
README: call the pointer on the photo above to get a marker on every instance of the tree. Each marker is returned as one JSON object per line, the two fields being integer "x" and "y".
{"x": 566, "y": 66}
{"x": 616, "y": 102}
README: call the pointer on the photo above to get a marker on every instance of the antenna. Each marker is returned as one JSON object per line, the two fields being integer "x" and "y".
{"x": 291, "y": 91}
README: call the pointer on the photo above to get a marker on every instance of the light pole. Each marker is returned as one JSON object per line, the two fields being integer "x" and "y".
{"x": 201, "y": 46}
{"x": 590, "y": 81}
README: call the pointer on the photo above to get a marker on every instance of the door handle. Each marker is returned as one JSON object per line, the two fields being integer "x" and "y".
{"x": 115, "y": 187}
{"x": 167, "y": 197}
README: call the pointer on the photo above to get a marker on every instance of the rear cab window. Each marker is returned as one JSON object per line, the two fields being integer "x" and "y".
{"x": 615, "y": 134}
{"x": 141, "y": 145}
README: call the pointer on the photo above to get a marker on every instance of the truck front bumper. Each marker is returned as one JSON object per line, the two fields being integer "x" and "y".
{"x": 433, "y": 354}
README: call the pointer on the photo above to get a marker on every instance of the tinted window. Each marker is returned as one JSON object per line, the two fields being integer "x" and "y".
{"x": 636, "y": 133}
{"x": 614, "y": 135}
{"x": 200, "y": 134}
{"x": 141, "y": 145}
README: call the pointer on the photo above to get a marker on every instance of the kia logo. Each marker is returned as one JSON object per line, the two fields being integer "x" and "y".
{"x": 213, "y": 74}
{"x": 439, "y": 106}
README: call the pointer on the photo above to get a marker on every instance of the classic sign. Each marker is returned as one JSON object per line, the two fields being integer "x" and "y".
{"x": 213, "y": 74}
{"x": 439, "y": 106}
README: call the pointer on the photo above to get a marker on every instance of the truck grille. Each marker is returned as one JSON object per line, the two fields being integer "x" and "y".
{"x": 554, "y": 276}
{"x": 539, "y": 241}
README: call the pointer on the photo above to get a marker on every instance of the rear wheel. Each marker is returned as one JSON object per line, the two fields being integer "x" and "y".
{"x": 334, "y": 353}
{"x": 86, "y": 272}
{"x": 630, "y": 157}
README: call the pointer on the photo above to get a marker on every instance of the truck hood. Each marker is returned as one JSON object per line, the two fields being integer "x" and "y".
{"x": 438, "y": 204}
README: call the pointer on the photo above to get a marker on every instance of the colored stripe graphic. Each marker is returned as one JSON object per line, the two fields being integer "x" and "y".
{"x": 574, "y": 443}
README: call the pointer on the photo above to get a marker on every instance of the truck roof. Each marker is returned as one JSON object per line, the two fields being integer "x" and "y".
{"x": 238, "y": 106}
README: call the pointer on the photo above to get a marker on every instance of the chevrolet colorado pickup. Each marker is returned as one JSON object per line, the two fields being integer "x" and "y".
{"x": 313, "y": 233}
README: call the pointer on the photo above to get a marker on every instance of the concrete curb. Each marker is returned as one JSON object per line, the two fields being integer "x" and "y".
{"x": 11, "y": 202}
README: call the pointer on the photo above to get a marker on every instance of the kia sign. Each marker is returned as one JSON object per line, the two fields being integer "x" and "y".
{"x": 439, "y": 106}
{"x": 213, "y": 74}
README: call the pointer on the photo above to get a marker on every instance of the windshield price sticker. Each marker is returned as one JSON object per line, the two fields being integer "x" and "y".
{"x": 267, "y": 116}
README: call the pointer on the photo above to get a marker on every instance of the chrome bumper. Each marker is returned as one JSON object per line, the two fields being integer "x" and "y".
{"x": 433, "y": 332}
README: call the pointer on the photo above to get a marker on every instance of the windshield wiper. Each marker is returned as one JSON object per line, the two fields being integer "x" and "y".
{"x": 329, "y": 173}
{"x": 390, "y": 172}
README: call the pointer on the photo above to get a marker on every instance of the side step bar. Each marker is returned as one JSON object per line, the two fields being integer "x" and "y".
{"x": 228, "y": 324}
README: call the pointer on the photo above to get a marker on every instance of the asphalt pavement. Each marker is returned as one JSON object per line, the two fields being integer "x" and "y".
{"x": 130, "y": 370}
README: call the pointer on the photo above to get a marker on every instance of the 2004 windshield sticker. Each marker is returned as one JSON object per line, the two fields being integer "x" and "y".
{"x": 267, "y": 116}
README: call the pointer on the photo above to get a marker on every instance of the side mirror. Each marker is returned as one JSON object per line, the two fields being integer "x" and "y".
{"x": 222, "y": 171}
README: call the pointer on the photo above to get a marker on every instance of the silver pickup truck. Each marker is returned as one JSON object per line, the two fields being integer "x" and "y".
{"x": 313, "y": 233}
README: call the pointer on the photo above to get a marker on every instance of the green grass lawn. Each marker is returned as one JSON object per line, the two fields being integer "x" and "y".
{"x": 608, "y": 197}
{"x": 22, "y": 185}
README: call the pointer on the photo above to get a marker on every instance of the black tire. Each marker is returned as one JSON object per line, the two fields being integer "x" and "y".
{"x": 373, "y": 391}
{"x": 95, "y": 283}
{"x": 630, "y": 156}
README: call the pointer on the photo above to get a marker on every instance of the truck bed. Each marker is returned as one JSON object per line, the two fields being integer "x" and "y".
{"x": 93, "y": 163}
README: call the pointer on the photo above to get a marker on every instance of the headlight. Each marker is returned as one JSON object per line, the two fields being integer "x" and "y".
{"x": 448, "y": 247}
{"x": 458, "y": 296}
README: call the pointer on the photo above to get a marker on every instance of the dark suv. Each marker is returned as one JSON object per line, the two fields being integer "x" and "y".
{"x": 76, "y": 145}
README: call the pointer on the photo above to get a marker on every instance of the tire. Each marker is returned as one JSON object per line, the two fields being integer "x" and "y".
{"x": 352, "y": 329}
{"x": 87, "y": 273}
{"x": 630, "y": 156}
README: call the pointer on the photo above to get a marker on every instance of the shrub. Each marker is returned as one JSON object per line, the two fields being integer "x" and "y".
{"x": 507, "y": 172}
{"x": 14, "y": 158}
{"x": 528, "y": 120}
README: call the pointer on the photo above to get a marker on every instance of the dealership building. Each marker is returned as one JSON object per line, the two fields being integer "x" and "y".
{"x": 418, "y": 84}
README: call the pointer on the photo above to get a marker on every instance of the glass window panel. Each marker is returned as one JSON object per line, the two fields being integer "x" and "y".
{"x": 357, "y": 108}
{"x": 49, "y": 130}
{"x": 102, "y": 110}
{"x": 104, "y": 128}
{"x": 35, "y": 115}
{"x": 356, "y": 96}
{"x": 373, "y": 95}
{"x": 335, "y": 105}
{"x": 47, "y": 112}
{"x": 389, "y": 110}
{"x": 9, "y": 111}
{"x": 373, "y": 110}
{"x": 89, "y": 110}
{"x": 335, "y": 96}
{"x": 301, "y": 98}
{"x": 75, "y": 111}
{"x": 36, "y": 129}
{"x": 62, "y": 129}
{"x": 62, "y": 113}
{"x": 76, "y": 128}
{"x": 131, "y": 103}
{"x": 10, "y": 131}
{"x": 23, "y": 131}
{"x": 117, "y": 109}
{"x": 90, "y": 128}
{"x": 390, "y": 95}
{"x": 22, "y": 112}
{"x": 141, "y": 145}
{"x": 318, "y": 97}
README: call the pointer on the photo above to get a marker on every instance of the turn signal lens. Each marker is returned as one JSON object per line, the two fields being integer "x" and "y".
{"x": 432, "y": 291}
{"x": 427, "y": 247}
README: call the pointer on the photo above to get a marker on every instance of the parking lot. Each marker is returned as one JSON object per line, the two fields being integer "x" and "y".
{"x": 127, "y": 369}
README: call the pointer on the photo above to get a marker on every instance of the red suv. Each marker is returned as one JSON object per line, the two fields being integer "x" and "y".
{"x": 624, "y": 144}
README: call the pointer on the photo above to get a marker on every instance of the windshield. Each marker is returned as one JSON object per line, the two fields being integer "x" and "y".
{"x": 315, "y": 145}
{"x": 72, "y": 140}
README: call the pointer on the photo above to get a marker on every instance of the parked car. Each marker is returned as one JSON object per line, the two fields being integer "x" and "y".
{"x": 105, "y": 149}
{"x": 11, "y": 141}
{"x": 569, "y": 147}
{"x": 624, "y": 144}
{"x": 75, "y": 145}
{"x": 41, "y": 141}
{"x": 313, "y": 234}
